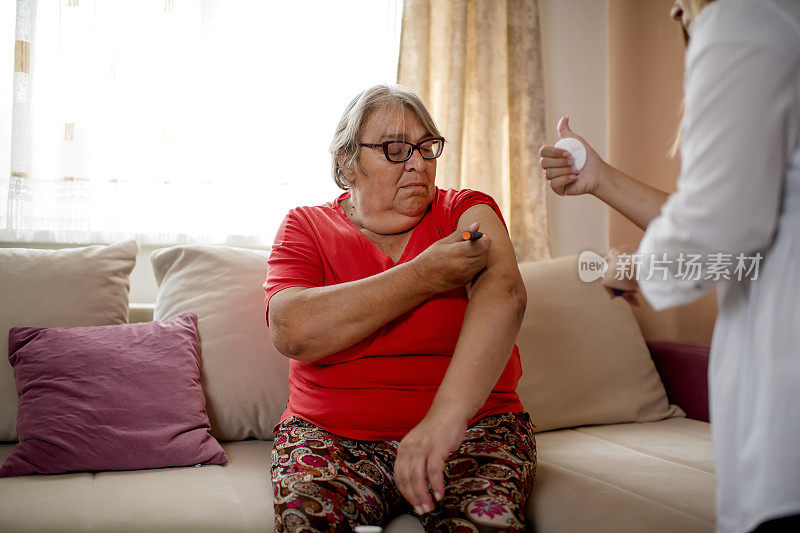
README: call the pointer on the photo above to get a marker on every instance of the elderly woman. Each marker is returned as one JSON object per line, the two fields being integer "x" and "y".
{"x": 401, "y": 333}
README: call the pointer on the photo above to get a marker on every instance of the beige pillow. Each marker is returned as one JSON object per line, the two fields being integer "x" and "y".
{"x": 85, "y": 286}
{"x": 244, "y": 377}
{"x": 584, "y": 359}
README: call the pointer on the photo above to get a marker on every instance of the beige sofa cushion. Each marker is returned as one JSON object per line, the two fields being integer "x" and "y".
{"x": 584, "y": 360}
{"x": 244, "y": 377}
{"x": 234, "y": 497}
{"x": 656, "y": 477}
{"x": 85, "y": 286}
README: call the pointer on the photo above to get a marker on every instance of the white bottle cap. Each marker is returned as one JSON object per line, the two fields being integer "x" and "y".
{"x": 576, "y": 148}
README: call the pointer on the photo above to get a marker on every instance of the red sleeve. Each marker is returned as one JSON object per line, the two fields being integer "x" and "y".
{"x": 466, "y": 198}
{"x": 295, "y": 260}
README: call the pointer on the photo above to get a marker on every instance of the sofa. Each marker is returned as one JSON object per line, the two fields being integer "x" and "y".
{"x": 623, "y": 437}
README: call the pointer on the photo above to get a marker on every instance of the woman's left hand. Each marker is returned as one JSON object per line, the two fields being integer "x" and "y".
{"x": 419, "y": 468}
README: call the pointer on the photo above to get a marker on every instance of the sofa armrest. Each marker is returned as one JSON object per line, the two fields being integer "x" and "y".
{"x": 140, "y": 312}
{"x": 684, "y": 371}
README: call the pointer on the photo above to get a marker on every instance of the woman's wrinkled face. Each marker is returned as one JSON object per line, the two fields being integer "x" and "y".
{"x": 381, "y": 187}
{"x": 682, "y": 12}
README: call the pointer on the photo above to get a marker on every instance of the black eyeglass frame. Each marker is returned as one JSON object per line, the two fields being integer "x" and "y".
{"x": 385, "y": 146}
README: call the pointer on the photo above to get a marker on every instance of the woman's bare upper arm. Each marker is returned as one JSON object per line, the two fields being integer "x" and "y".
{"x": 501, "y": 254}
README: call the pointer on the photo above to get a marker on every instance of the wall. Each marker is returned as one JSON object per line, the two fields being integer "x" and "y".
{"x": 645, "y": 90}
{"x": 143, "y": 282}
{"x": 575, "y": 54}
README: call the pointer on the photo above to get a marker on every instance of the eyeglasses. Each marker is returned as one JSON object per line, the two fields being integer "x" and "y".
{"x": 399, "y": 151}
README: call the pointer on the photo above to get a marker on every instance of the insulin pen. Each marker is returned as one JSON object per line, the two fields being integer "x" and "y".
{"x": 471, "y": 235}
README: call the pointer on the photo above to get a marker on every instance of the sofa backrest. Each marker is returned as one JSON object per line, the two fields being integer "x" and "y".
{"x": 584, "y": 358}
{"x": 583, "y": 355}
{"x": 140, "y": 312}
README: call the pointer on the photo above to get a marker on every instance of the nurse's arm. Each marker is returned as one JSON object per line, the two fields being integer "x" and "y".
{"x": 634, "y": 199}
{"x": 638, "y": 202}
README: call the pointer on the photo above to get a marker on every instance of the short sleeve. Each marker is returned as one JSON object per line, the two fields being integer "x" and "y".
{"x": 466, "y": 198}
{"x": 295, "y": 260}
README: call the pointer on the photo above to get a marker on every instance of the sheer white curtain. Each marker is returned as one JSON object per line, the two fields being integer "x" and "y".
{"x": 181, "y": 120}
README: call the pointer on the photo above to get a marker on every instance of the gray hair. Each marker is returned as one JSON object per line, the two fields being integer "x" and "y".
{"x": 351, "y": 125}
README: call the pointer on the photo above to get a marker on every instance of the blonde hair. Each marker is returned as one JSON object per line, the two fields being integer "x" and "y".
{"x": 697, "y": 7}
{"x": 344, "y": 146}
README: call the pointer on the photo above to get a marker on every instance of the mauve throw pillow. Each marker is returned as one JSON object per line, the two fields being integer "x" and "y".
{"x": 122, "y": 397}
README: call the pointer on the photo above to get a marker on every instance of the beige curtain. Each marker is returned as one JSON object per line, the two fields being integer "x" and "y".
{"x": 18, "y": 193}
{"x": 477, "y": 65}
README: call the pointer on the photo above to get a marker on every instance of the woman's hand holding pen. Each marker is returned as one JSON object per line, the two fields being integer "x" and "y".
{"x": 453, "y": 262}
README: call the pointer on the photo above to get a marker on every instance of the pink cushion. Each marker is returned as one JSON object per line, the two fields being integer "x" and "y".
{"x": 109, "y": 398}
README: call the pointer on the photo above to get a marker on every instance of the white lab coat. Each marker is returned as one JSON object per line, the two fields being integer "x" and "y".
{"x": 739, "y": 192}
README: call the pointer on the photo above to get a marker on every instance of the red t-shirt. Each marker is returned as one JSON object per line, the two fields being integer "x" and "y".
{"x": 382, "y": 386}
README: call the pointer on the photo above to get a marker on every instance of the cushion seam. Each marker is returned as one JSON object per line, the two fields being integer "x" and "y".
{"x": 647, "y": 454}
{"x": 654, "y": 502}
{"x": 663, "y": 428}
{"x": 238, "y": 496}
{"x": 92, "y": 503}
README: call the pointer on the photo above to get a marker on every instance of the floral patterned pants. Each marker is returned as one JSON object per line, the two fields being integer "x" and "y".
{"x": 323, "y": 482}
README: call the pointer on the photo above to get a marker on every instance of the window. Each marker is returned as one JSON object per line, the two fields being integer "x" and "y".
{"x": 187, "y": 120}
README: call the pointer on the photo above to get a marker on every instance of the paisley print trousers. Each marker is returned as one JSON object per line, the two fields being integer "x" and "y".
{"x": 324, "y": 482}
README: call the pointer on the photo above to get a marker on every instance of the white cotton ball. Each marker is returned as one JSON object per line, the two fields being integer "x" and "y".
{"x": 576, "y": 148}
